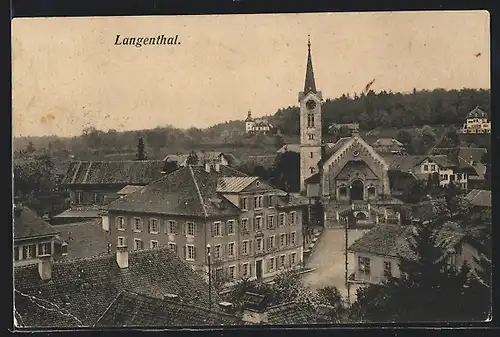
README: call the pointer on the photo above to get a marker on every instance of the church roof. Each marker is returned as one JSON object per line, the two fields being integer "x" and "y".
{"x": 310, "y": 84}
{"x": 476, "y": 112}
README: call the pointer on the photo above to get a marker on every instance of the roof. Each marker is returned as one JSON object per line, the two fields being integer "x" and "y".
{"x": 186, "y": 191}
{"x": 27, "y": 224}
{"x": 288, "y": 314}
{"x": 131, "y": 172}
{"x": 314, "y": 179}
{"x": 131, "y": 309}
{"x": 234, "y": 184}
{"x": 289, "y": 147}
{"x": 383, "y": 240}
{"x": 479, "y": 198}
{"x": 442, "y": 161}
{"x": 80, "y": 212}
{"x": 81, "y": 290}
{"x": 84, "y": 239}
{"x": 331, "y": 149}
{"x": 476, "y": 112}
{"x": 309, "y": 83}
{"x": 387, "y": 142}
{"x": 400, "y": 180}
{"x": 177, "y": 158}
{"x": 180, "y": 159}
{"x": 428, "y": 210}
{"x": 403, "y": 163}
{"x": 467, "y": 153}
{"x": 129, "y": 189}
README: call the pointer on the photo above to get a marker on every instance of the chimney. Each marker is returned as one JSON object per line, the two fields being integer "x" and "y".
{"x": 355, "y": 132}
{"x": 45, "y": 268}
{"x": 217, "y": 167}
{"x": 207, "y": 167}
{"x": 471, "y": 161}
{"x": 122, "y": 257}
{"x": 226, "y": 307}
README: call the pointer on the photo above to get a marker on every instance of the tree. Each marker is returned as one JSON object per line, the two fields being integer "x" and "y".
{"x": 485, "y": 160}
{"x": 285, "y": 173}
{"x": 192, "y": 158}
{"x": 433, "y": 187}
{"x": 33, "y": 174}
{"x": 415, "y": 192}
{"x": 30, "y": 149}
{"x": 141, "y": 151}
{"x": 331, "y": 297}
{"x": 278, "y": 139}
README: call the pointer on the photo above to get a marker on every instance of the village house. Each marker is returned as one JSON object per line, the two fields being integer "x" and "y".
{"x": 258, "y": 125}
{"x": 92, "y": 184}
{"x": 479, "y": 199}
{"x": 477, "y": 122}
{"x": 79, "y": 292}
{"x": 250, "y": 228}
{"x": 34, "y": 238}
{"x": 204, "y": 157}
{"x": 377, "y": 253}
{"x": 388, "y": 146}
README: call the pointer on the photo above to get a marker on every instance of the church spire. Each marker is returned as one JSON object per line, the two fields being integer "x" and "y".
{"x": 309, "y": 85}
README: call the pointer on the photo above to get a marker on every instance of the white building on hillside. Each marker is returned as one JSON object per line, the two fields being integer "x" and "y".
{"x": 258, "y": 125}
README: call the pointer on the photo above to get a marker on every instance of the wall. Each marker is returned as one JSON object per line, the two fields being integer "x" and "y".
{"x": 18, "y": 248}
{"x": 309, "y": 145}
{"x": 376, "y": 268}
{"x": 106, "y": 194}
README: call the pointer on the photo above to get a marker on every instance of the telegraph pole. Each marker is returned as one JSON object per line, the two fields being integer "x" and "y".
{"x": 209, "y": 280}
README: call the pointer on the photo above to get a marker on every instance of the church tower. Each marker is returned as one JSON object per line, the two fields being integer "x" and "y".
{"x": 310, "y": 124}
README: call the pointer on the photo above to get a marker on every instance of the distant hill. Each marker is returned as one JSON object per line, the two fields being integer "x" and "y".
{"x": 383, "y": 113}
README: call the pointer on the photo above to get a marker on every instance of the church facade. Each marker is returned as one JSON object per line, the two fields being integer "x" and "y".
{"x": 348, "y": 178}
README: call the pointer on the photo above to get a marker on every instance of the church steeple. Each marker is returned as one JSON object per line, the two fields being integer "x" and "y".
{"x": 310, "y": 84}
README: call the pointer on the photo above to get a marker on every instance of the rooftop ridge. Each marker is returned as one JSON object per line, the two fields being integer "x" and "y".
{"x": 117, "y": 161}
{"x": 198, "y": 191}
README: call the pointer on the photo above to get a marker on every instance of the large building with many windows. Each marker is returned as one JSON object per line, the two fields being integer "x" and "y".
{"x": 251, "y": 229}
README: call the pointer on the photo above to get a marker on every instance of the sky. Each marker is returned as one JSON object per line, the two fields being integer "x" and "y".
{"x": 67, "y": 74}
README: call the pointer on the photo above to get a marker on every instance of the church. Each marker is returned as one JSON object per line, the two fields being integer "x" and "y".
{"x": 347, "y": 179}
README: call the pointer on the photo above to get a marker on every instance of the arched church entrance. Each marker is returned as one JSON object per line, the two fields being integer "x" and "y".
{"x": 357, "y": 189}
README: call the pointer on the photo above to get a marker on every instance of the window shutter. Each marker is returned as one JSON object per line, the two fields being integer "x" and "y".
{"x": 212, "y": 229}
{"x": 241, "y": 202}
{"x": 224, "y": 251}
{"x": 266, "y": 201}
{"x": 194, "y": 252}
{"x": 222, "y": 228}
{"x": 185, "y": 228}
{"x": 250, "y": 247}
{"x": 116, "y": 222}
{"x": 184, "y": 252}
{"x": 287, "y": 239}
{"x": 149, "y": 225}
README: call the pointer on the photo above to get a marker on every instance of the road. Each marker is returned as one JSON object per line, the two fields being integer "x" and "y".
{"x": 328, "y": 260}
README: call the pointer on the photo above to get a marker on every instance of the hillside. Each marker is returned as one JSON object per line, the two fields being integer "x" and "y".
{"x": 380, "y": 114}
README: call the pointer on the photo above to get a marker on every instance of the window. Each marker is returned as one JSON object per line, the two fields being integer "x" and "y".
{"x": 387, "y": 269}
{"x": 216, "y": 229}
{"x": 137, "y": 225}
{"x": 270, "y": 242}
{"x": 246, "y": 270}
{"x": 191, "y": 252}
{"x": 459, "y": 176}
{"x": 138, "y": 245}
{"x": 281, "y": 221}
{"x": 171, "y": 227}
{"x": 258, "y": 201}
{"x": 452, "y": 177}
{"x": 433, "y": 168}
{"x": 190, "y": 229}
{"x": 121, "y": 241}
{"x": 230, "y": 227}
{"x": 173, "y": 247}
{"x": 154, "y": 244}
{"x": 219, "y": 273}
{"x": 310, "y": 137}
{"x": 153, "y": 226}
{"x": 258, "y": 244}
{"x": 78, "y": 197}
{"x": 310, "y": 120}
{"x": 364, "y": 265}
{"x": 270, "y": 201}
{"x": 45, "y": 248}
{"x": 243, "y": 203}
{"x": 311, "y": 170}
{"x": 270, "y": 221}
{"x": 232, "y": 270}
{"x": 282, "y": 261}
{"x": 28, "y": 252}
{"x": 120, "y": 223}
{"x": 371, "y": 191}
{"x": 96, "y": 198}
{"x": 311, "y": 154}
{"x": 426, "y": 168}
{"x": 244, "y": 225}
{"x": 270, "y": 264}
{"x": 292, "y": 238}
{"x": 230, "y": 249}
{"x": 217, "y": 252}
{"x": 293, "y": 258}
{"x": 343, "y": 192}
{"x": 244, "y": 248}
{"x": 258, "y": 223}
{"x": 445, "y": 177}
{"x": 292, "y": 218}
{"x": 282, "y": 239}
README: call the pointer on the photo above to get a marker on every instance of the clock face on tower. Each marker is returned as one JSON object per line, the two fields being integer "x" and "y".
{"x": 310, "y": 104}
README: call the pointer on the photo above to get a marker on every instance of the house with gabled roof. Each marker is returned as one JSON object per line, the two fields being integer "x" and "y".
{"x": 77, "y": 293}
{"x": 34, "y": 238}
{"x": 477, "y": 122}
{"x": 253, "y": 229}
{"x": 388, "y": 146}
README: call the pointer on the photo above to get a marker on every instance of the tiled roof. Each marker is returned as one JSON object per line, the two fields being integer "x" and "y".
{"x": 131, "y": 309}
{"x": 28, "y": 224}
{"x": 80, "y": 212}
{"x": 129, "y": 189}
{"x": 467, "y": 153}
{"x": 186, "y": 191}
{"x": 476, "y": 112}
{"x": 403, "y": 162}
{"x": 85, "y": 288}
{"x": 177, "y": 158}
{"x": 428, "y": 210}
{"x": 443, "y": 161}
{"x": 289, "y": 314}
{"x": 138, "y": 172}
{"x": 479, "y": 198}
{"x": 314, "y": 179}
{"x": 84, "y": 239}
{"x": 384, "y": 240}
{"x": 331, "y": 149}
{"x": 233, "y": 184}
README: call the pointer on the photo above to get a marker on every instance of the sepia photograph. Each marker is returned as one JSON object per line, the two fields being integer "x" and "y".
{"x": 248, "y": 170}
